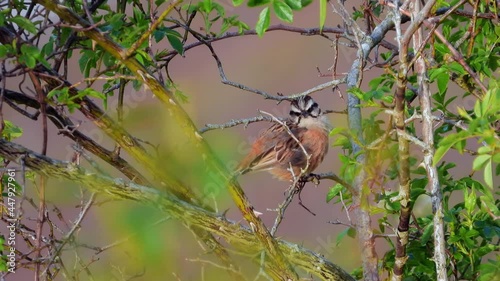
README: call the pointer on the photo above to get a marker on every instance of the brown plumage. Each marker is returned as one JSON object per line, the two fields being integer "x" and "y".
{"x": 276, "y": 151}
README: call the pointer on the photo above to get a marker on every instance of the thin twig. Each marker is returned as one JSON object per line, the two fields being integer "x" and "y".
{"x": 69, "y": 235}
{"x": 337, "y": 179}
{"x": 153, "y": 27}
{"x": 234, "y": 122}
{"x": 246, "y": 121}
{"x": 230, "y": 268}
{"x": 296, "y": 186}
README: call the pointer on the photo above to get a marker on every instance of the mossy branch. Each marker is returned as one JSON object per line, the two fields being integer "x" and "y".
{"x": 281, "y": 268}
{"x": 238, "y": 236}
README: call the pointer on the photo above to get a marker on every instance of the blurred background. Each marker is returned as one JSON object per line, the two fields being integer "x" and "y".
{"x": 123, "y": 240}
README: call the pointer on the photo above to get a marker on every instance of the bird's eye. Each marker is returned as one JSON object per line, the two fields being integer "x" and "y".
{"x": 312, "y": 108}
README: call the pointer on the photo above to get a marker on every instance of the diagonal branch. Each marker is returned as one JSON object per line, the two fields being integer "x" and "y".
{"x": 239, "y": 236}
{"x": 153, "y": 27}
{"x": 129, "y": 143}
{"x": 278, "y": 267}
{"x": 70, "y": 130}
{"x": 314, "y": 31}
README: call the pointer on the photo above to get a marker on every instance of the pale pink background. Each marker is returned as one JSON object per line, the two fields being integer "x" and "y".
{"x": 280, "y": 62}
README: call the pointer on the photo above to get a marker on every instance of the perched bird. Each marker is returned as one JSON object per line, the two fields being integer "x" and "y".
{"x": 276, "y": 151}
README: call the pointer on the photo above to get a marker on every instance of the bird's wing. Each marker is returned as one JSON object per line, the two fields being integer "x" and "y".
{"x": 273, "y": 147}
{"x": 260, "y": 156}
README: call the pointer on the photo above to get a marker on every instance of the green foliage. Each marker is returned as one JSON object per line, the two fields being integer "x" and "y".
{"x": 23, "y": 23}
{"x": 263, "y": 22}
{"x": 3, "y": 257}
{"x": 490, "y": 270}
{"x": 471, "y": 206}
{"x": 334, "y": 191}
{"x": 322, "y": 13}
{"x": 11, "y": 131}
{"x": 8, "y": 182}
{"x": 472, "y": 230}
{"x": 236, "y": 3}
{"x": 63, "y": 97}
{"x": 295, "y": 5}
{"x": 283, "y": 11}
{"x": 255, "y": 3}
{"x": 213, "y": 12}
{"x": 472, "y": 233}
{"x": 5, "y": 51}
{"x": 30, "y": 56}
{"x": 481, "y": 123}
{"x": 349, "y": 231}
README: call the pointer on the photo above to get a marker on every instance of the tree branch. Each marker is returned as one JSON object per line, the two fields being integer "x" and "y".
{"x": 362, "y": 216}
{"x": 432, "y": 173}
{"x": 278, "y": 266}
{"x": 70, "y": 130}
{"x": 239, "y": 236}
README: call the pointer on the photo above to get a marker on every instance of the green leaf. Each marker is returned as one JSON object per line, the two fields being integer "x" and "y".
{"x": 24, "y": 23}
{"x": 462, "y": 112}
{"x": 496, "y": 158}
{"x": 334, "y": 191}
{"x": 489, "y": 204}
{"x": 138, "y": 15}
{"x": 442, "y": 83}
{"x": 427, "y": 234}
{"x": 29, "y": 61}
{"x": 206, "y": 5}
{"x": 92, "y": 93}
{"x": 348, "y": 231}
{"x": 478, "y": 110}
{"x": 469, "y": 201}
{"x": 3, "y": 51}
{"x": 176, "y": 43}
{"x": 2, "y": 19}
{"x": 488, "y": 174}
{"x": 263, "y": 22}
{"x": 283, "y": 11}
{"x": 48, "y": 48}
{"x": 11, "y": 131}
{"x": 460, "y": 146}
{"x": 87, "y": 61}
{"x": 490, "y": 270}
{"x": 456, "y": 67}
{"x": 61, "y": 94}
{"x": 236, "y": 3}
{"x": 294, "y": 4}
{"x": 254, "y": 3}
{"x": 158, "y": 35}
{"x": 322, "y": 14}
{"x": 388, "y": 99}
{"x": 434, "y": 73}
{"x": 479, "y": 161}
{"x": 337, "y": 130}
{"x": 305, "y": 3}
{"x": 219, "y": 9}
{"x": 446, "y": 143}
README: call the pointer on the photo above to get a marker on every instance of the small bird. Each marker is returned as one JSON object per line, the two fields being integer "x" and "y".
{"x": 276, "y": 151}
